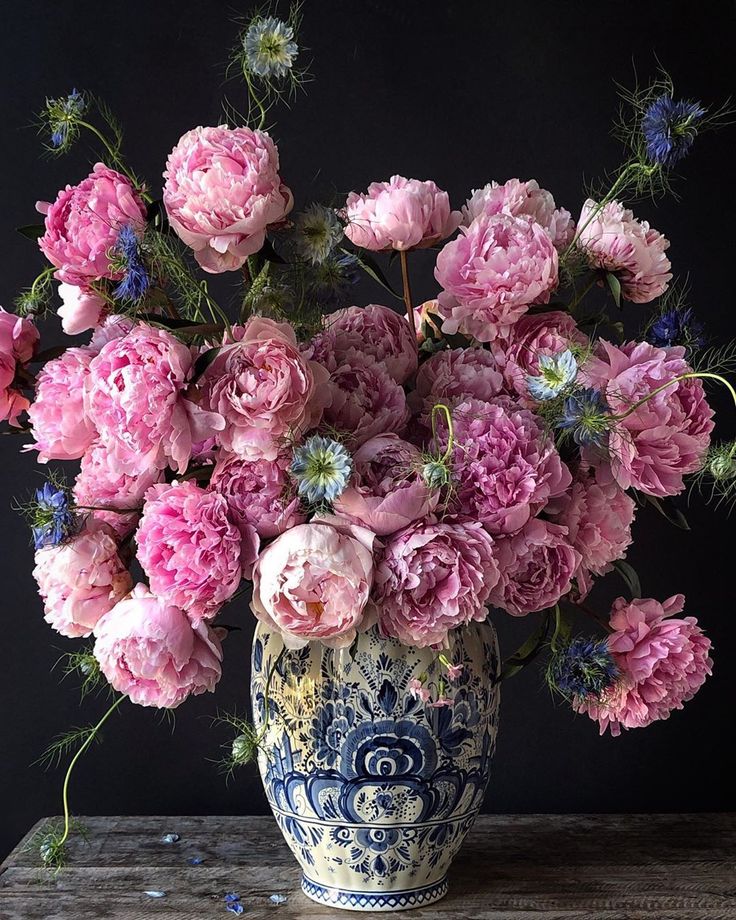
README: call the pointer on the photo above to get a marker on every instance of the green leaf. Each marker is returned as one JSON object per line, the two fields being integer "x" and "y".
{"x": 372, "y": 268}
{"x": 204, "y": 361}
{"x": 32, "y": 231}
{"x": 614, "y": 285}
{"x": 527, "y": 652}
{"x": 669, "y": 513}
{"x": 630, "y": 576}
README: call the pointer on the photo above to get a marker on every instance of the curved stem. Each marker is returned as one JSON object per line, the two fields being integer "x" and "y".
{"x": 694, "y": 375}
{"x": 115, "y": 157}
{"x": 441, "y": 407}
{"x": 407, "y": 291}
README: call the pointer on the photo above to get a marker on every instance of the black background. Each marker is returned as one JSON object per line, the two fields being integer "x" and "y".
{"x": 460, "y": 92}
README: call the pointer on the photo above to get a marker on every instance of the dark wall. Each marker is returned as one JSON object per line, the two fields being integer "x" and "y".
{"x": 460, "y": 92}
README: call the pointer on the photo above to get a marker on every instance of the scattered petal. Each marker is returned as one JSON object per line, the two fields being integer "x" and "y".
{"x": 155, "y": 894}
{"x": 278, "y": 899}
{"x": 195, "y": 860}
{"x": 232, "y": 904}
{"x": 170, "y": 838}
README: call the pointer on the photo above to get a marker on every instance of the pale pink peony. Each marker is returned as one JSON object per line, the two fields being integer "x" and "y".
{"x": 365, "y": 400}
{"x": 148, "y": 650}
{"x": 222, "y": 191}
{"x": 537, "y": 567}
{"x": 434, "y": 577}
{"x": 80, "y": 309}
{"x": 313, "y": 582}
{"x": 505, "y": 465}
{"x": 517, "y": 198}
{"x": 399, "y": 214}
{"x": 663, "y": 663}
{"x": 264, "y": 388}
{"x": 259, "y": 494}
{"x": 386, "y": 490}
{"x": 376, "y": 331}
{"x": 615, "y": 241}
{"x": 83, "y": 224}
{"x": 134, "y": 396}
{"x": 81, "y": 579}
{"x": 453, "y": 375}
{"x": 598, "y": 518}
{"x": 493, "y": 272}
{"x": 18, "y": 340}
{"x": 193, "y": 554}
{"x": 61, "y": 427}
{"x": 113, "y": 326}
{"x": 664, "y": 439}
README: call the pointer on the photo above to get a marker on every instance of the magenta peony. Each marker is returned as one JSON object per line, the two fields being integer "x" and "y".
{"x": 663, "y": 663}
{"x": 660, "y": 442}
{"x": 80, "y": 309}
{"x": 493, "y": 272}
{"x": 615, "y": 241}
{"x": 82, "y": 225}
{"x": 377, "y": 331}
{"x": 505, "y": 465}
{"x": 222, "y": 192}
{"x": 81, "y": 579}
{"x": 399, "y": 214}
{"x": 148, "y": 650}
{"x": 61, "y": 427}
{"x": 313, "y": 582}
{"x": 537, "y": 567}
{"x": 386, "y": 491}
{"x": 455, "y": 374}
{"x": 259, "y": 494}
{"x": 193, "y": 554}
{"x": 434, "y": 577}
{"x": 18, "y": 340}
{"x": 519, "y": 198}
{"x": 264, "y": 389}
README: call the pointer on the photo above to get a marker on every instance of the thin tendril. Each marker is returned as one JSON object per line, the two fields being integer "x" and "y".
{"x": 692, "y": 376}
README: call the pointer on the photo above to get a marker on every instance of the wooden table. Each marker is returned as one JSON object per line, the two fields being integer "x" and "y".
{"x": 637, "y": 867}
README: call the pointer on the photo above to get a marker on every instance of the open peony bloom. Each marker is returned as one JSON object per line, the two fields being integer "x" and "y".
{"x": 615, "y": 241}
{"x": 313, "y": 582}
{"x": 80, "y": 309}
{"x": 493, "y": 272}
{"x": 399, "y": 214}
{"x": 61, "y": 427}
{"x": 663, "y": 663}
{"x": 665, "y": 438}
{"x": 83, "y": 224}
{"x": 374, "y": 330}
{"x": 222, "y": 191}
{"x": 264, "y": 389}
{"x": 434, "y": 577}
{"x": 454, "y": 375}
{"x": 386, "y": 491}
{"x": 193, "y": 554}
{"x": 18, "y": 340}
{"x": 148, "y": 650}
{"x": 81, "y": 579}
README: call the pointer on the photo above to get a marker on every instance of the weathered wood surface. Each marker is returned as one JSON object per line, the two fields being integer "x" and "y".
{"x": 576, "y": 867}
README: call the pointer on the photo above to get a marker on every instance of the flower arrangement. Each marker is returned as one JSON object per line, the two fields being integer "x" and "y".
{"x": 406, "y": 467}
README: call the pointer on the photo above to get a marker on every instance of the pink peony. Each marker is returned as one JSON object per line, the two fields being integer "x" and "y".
{"x": 386, "y": 491}
{"x": 222, "y": 192}
{"x": 134, "y": 396}
{"x": 313, "y": 582}
{"x": 18, "y": 341}
{"x": 493, "y": 272}
{"x": 82, "y": 225}
{"x": 113, "y": 326}
{"x": 434, "y": 577}
{"x": 663, "y": 663}
{"x": 519, "y": 198}
{"x": 505, "y": 465}
{"x": 399, "y": 214}
{"x": 264, "y": 389}
{"x": 60, "y": 424}
{"x": 81, "y": 579}
{"x": 453, "y": 375}
{"x": 80, "y": 309}
{"x": 615, "y": 241}
{"x": 664, "y": 439}
{"x": 259, "y": 494}
{"x": 148, "y": 650}
{"x": 365, "y": 401}
{"x": 598, "y": 519}
{"x": 193, "y": 554}
{"x": 537, "y": 567}
{"x": 376, "y": 331}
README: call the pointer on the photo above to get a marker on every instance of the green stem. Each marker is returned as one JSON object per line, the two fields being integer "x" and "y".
{"x": 441, "y": 407}
{"x": 407, "y": 291}
{"x": 691, "y": 376}
{"x": 256, "y": 99}
{"x": 115, "y": 157}
{"x": 573, "y": 305}
{"x": 609, "y": 196}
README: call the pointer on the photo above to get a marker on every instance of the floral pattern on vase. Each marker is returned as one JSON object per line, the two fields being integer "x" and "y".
{"x": 373, "y": 789}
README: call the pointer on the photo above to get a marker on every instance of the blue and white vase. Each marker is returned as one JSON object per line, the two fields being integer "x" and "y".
{"x": 374, "y": 791}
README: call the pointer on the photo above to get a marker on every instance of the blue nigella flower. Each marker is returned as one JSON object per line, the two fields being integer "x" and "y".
{"x": 556, "y": 373}
{"x": 670, "y": 128}
{"x": 676, "y": 327}
{"x": 582, "y": 669}
{"x": 232, "y": 904}
{"x": 135, "y": 280}
{"x": 63, "y": 116}
{"x": 51, "y": 516}
{"x": 269, "y": 48}
{"x": 322, "y": 468}
{"x": 586, "y": 415}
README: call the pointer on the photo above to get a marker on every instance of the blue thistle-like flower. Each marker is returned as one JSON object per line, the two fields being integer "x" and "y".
{"x": 556, "y": 373}
{"x": 63, "y": 115}
{"x": 318, "y": 231}
{"x": 322, "y": 468}
{"x": 333, "y": 279}
{"x": 582, "y": 669}
{"x": 51, "y": 517}
{"x": 587, "y": 415}
{"x": 669, "y": 128}
{"x": 127, "y": 251}
{"x": 676, "y": 326}
{"x": 269, "y": 48}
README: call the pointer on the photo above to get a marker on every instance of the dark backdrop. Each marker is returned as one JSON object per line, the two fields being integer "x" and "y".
{"x": 460, "y": 92}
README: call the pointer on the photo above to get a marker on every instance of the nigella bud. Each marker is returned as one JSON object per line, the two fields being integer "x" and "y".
{"x": 436, "y": 474}
{"x": 722, "y": 462}
{"x": 244, "y": 749}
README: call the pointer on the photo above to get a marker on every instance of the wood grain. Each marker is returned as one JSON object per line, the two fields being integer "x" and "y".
{"x": 546, "y": 867}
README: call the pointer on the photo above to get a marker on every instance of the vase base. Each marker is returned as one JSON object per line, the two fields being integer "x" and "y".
{"x": 374, "y": 900}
